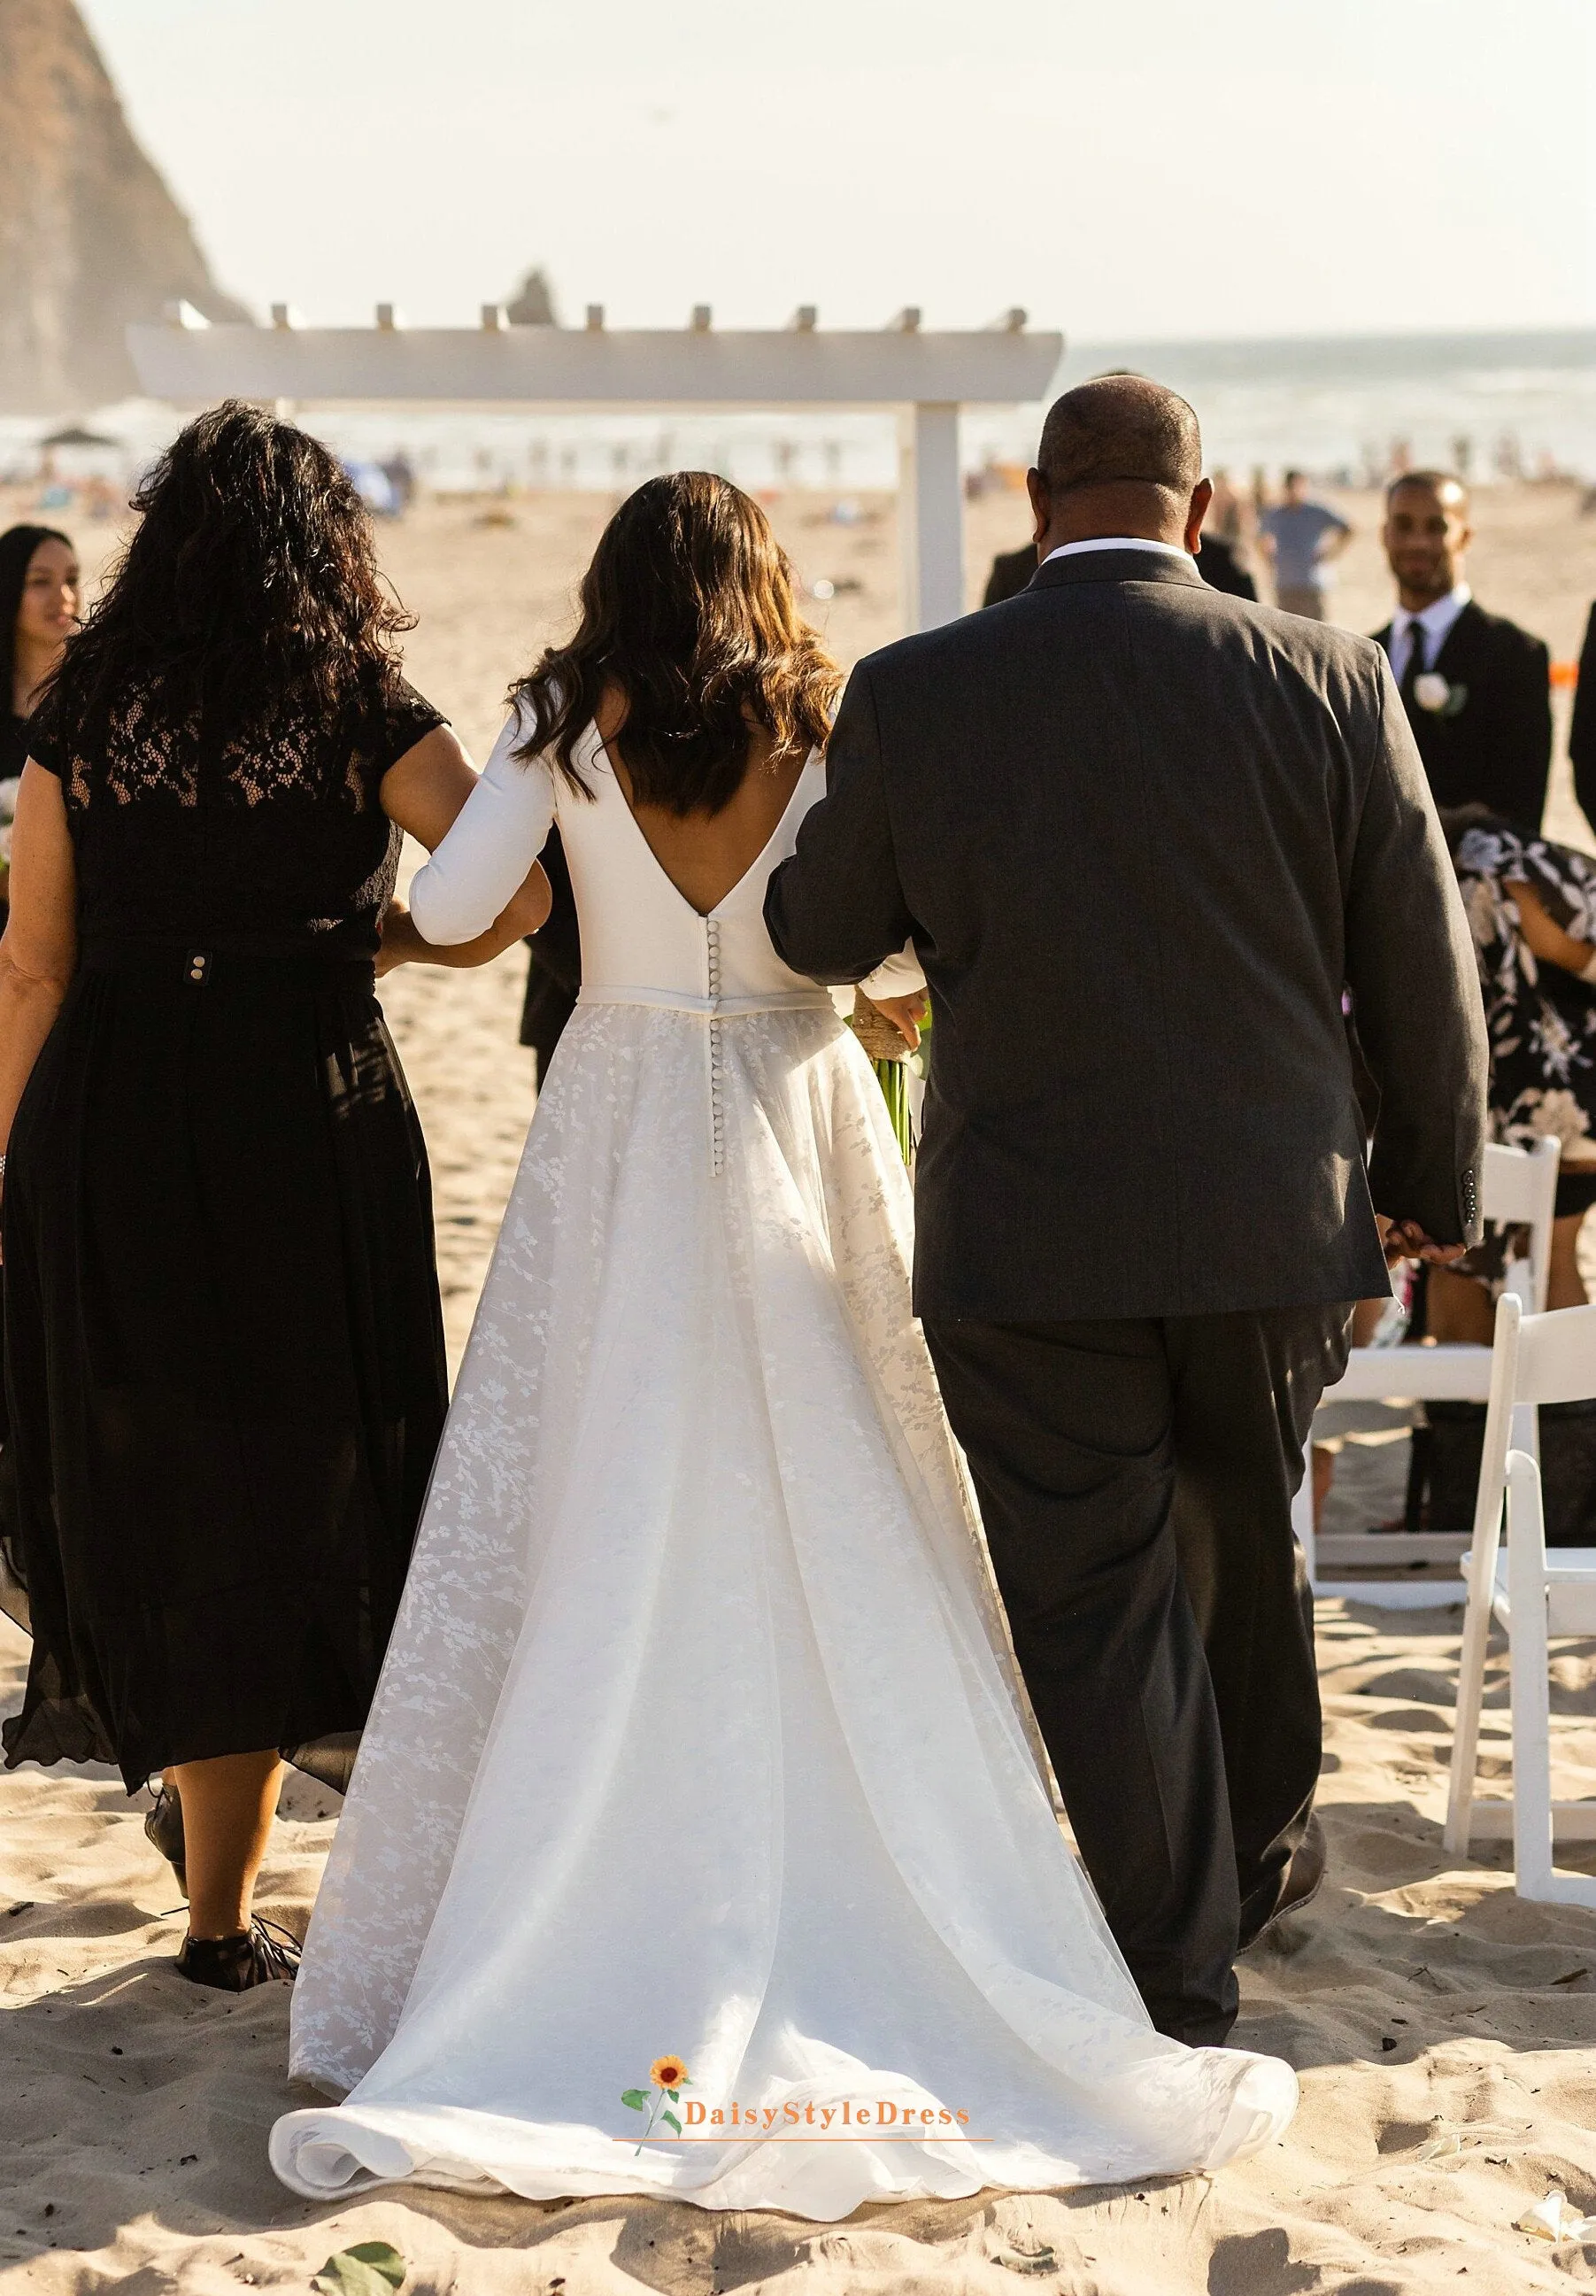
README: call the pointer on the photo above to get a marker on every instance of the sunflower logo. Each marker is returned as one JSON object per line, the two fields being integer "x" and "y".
{"x": 669, "y": 2076}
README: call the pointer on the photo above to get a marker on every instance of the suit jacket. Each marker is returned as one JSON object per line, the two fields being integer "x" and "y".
{"x": 1582, "y": 733}
{"x": 1494, "y": 749}
{"x": 1143, "y": 834}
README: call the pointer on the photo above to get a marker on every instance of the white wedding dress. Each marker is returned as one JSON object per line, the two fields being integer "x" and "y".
{"x": 698, "y": 1734}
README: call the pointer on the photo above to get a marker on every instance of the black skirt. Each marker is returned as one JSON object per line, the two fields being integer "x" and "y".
{"x": 224, "y": 1361}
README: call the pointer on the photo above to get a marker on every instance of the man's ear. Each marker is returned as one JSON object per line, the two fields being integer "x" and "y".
{"x": 1042, "y": 505}
{"x": 1197, "y": 510}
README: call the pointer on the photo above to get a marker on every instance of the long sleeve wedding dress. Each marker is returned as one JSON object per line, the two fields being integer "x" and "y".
{"x": 697, "y": 1735}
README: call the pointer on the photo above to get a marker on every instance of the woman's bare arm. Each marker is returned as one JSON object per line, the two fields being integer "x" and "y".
{"x": 423, "y": 791}
{"x": 1545, "y": 935}
{"x": 38, "y": 951}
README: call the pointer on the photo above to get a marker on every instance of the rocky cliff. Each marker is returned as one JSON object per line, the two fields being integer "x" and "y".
{"x": 90, "y": 237}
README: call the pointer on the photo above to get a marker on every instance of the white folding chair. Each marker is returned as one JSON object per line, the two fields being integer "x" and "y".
{"x": 1517, "y": 1187}
{"x": 1536, "y": 1359}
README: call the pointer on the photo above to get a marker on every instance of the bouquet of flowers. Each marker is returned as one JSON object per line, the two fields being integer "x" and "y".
{"x": 893, "y": 1063}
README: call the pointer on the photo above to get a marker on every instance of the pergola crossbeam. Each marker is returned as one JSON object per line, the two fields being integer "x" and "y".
{"x": 923, "y": 375}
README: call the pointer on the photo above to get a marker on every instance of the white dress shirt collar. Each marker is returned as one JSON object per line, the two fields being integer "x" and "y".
{"x": 1436, "y": 621}
{"x": 1118, "y": 542}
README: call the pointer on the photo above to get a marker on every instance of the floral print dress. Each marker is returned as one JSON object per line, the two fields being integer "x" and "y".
{"x": 1542, "y": 1018}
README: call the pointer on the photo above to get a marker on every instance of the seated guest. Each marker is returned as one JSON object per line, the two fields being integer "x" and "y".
{"x": 40, "y": 588}
{"x": 1011, "y": 572}
{"x": 1531, "y": 907}
{"x": 1476, "y": 688}
{"x": 1302, "y": 538}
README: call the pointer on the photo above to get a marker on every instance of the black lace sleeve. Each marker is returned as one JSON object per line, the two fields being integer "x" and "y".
{"x": 38, "y": 737}
{"x": 407, "y": 719}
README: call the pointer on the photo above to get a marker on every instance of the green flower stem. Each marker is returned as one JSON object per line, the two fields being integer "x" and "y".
{"x": 653, "y": 2111}
{"x": 895, "y": 1088}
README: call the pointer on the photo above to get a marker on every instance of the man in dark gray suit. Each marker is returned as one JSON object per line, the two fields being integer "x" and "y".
{"x": 1144, "y": 836}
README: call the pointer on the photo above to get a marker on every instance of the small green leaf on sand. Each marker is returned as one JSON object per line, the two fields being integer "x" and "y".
{"x": 637, "y": 2098}
{"x": 369, "y": 2269}
{"x": 671, "y": 2121}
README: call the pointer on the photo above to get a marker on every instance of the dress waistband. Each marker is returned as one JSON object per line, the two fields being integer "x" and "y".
{"x": 712, "y": 1008}
{"x": 197, "y": 965}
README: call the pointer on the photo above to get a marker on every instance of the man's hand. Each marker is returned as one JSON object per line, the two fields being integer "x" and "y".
{"x": 906, "y": 1015}
{"x": 1407, "y": 1239}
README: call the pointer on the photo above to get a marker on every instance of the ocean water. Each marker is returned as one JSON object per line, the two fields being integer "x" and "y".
{"x": 1340, "y": 407}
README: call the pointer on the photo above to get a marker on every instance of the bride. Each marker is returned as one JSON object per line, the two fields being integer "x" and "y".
{"x": 696, "y": 1843}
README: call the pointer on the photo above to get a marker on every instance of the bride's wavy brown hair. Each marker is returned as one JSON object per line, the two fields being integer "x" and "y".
{"x": 687, "y": 612}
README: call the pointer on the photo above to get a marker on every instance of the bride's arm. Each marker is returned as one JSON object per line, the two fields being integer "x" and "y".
{"x": 483, "y": 889}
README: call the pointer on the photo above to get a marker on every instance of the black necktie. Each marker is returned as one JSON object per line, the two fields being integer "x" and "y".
{"x": 1414, "y": 670}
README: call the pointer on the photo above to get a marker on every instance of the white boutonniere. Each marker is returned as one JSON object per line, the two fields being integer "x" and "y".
{"x": 1433, "y": 693}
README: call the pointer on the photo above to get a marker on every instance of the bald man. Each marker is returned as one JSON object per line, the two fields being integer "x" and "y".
{"x": 1476, "y": 688}
{"x": 1143, "y": 835}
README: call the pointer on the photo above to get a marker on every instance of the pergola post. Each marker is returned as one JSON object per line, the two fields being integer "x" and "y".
{"x": 930, "y": 508}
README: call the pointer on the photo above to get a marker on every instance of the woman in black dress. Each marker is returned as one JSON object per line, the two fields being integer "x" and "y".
{"x": 40, "y": 591}
{"x": 224, "y": 1349}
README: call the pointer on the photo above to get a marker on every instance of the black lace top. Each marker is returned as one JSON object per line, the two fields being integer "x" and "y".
{"x": 281, "y": 839}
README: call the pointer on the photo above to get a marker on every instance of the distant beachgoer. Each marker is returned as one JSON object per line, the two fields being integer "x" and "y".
{"x": 1229, "y": 513}
{"x": 1302, "y": 538}
{"x": 1477, "y": 688}
{"x": 40, "y": 592}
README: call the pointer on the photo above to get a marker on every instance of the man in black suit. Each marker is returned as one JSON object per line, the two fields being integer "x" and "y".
{"x": 1477, "y": 688}
{"x": 1012, "y": 572}
{"x": 1217, "y": 563}
{"x": 1582, "y": 732}
{"x": 554, "y": 974}
{"x": 1143, "y": 834}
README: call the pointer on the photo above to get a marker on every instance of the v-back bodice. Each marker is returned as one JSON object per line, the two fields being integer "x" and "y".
{"x": 643, "y": 941}
{"x": 641, "y": 936}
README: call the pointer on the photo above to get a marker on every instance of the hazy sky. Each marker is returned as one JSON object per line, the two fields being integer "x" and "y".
{"x": 1123, "y": 167}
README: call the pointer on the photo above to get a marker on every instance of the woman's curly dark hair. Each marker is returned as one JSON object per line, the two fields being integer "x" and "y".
{"x": 687, "y": 613}
{"x": 249, "y": 584}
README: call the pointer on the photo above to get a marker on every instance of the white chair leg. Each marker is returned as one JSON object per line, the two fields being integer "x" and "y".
{"x": 1302, "y": 1515}
{"x": 1465, "y": 1738}
{"x": 1472, "y": 1681}
{"x": 1530, "y": 1659}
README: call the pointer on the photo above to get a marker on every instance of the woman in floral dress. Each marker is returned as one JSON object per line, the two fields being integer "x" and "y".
{"x": 1532, "y": 906}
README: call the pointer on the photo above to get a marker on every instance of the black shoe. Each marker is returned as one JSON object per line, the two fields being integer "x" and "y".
{"x": 1304, "y": 1878}
{"x": 164, "y": 1828}
{"x": 232, "y": 1964}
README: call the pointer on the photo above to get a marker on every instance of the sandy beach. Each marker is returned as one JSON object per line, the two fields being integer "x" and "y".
{"x": 1439, "y": 2025}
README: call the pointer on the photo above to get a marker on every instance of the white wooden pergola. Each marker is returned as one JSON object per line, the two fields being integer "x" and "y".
{"x": 923, "y": 376}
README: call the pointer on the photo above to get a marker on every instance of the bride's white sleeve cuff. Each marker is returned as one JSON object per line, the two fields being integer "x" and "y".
{"x": 899, "y": 975}
{"x": 501, "y": 830}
